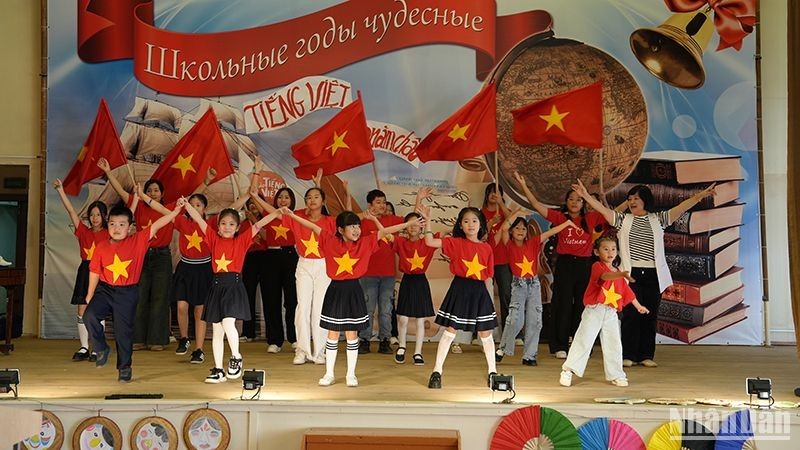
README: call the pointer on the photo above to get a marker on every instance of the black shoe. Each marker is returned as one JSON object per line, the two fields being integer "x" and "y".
{"x": 384, "y": 347}
{"x": 81, "y": 355}
{"x": 400, "y": 358}
{"x": 418, "y": 361}
{"x": 529, "y": 362}
{"x": 102, "y": 358}
{"x": 197, "y": 357}
{"x": 125, "y": 375}
{"x": 93, "y": 357}
{"x": 489, "y": 379}
{"x": 363, "y": 346}
{"x": 183, "y": 346}
{"x": 498, "y": 356}
{"x": 435, "y": 382}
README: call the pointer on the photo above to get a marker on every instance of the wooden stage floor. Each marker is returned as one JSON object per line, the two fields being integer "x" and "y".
{"x": 684, "y": 372}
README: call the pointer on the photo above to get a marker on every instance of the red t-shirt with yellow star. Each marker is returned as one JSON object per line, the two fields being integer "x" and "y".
{"x": 306, "y": 241}
{"x": 119, "y": 263}
{"x": 500, "y": 252}
{"x": 192, "y": 242}
{"x": 469, "y": 259}
{"x": 227, "y": 254}
{"x": 88, "y": 240}
{"x": 575, "y": 241}
{"x": 278, "y": 234}
{"x": 383, "y": 263}
{"x": 415, "y": 256}
{"x": 524, "y": 259}
{"x": 347, "y": 260}
{"x": 145, "y": 216}
{"x": 614, "y": 293}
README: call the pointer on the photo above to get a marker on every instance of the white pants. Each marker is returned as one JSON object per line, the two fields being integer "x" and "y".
{"x": 603, "y": 320}
{"x": 312, "y": 282}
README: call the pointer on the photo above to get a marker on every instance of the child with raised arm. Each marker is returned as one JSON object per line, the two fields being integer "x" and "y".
{"x": 526, "y": 295}
{"x": 607, "y": 293}
{"x": 347, "y": 256}
{"x": 227, "y": 300}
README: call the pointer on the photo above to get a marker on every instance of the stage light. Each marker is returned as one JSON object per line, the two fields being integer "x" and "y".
{"x": 253, "y": 380}
{"x": 9, "y": 379}
{"x": 760, "y": 387}
{"x": 502, "y": 383}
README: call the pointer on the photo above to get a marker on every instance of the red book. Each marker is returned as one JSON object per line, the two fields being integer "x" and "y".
{"x": 469, "y": 132}
{"x": 102, "y": 142}
{"x": 186, "y": 165}
{"x": 571, "y": 118}
{"x": 701, "y": 292}
{"x": 690, "y": 335}
{"x": 340, "y": 144}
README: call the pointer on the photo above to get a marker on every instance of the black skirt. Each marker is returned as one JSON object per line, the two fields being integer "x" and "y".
{"x": 228, "y": 298}
{"x": 192, "y": 282}
{"x": 467, "y": 306}
{"x": 344, "y": 307}
{"x": 81, "y": 284}
{"x": 414, "y": 296}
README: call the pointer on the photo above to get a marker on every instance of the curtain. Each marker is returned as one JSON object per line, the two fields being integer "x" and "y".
{"x": 793, "y": 160}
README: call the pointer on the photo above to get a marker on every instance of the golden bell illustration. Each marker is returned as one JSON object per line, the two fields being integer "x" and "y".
{"x": 673, "y": 52}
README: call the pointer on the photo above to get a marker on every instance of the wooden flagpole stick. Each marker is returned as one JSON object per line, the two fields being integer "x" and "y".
{"x": 130, "y": 172}
{"x": 602, "y": 189}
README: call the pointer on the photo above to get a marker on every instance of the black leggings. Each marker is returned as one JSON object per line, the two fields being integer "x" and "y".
{"x": 569, "y": 284}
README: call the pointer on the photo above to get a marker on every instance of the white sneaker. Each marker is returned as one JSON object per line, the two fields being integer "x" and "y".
{"x": 566, "y": 378}
{"x": 299, "y": 357}
{"x": 216, "y": 376}
{"x": 561, "y": 354}
{"x": 4, "y": 263}
{"x": 273, "y": 349}
{"x": 519, "y": 342}
{"x": 294, "y": 345}
{"x": 627, "y": 363}
{"x": 352, "y": 381}
{"x": 621, "y": 382}
{"x": 319, "y": 360}
{"x": 234, "y": 368}
{"x": 327, "y": 380}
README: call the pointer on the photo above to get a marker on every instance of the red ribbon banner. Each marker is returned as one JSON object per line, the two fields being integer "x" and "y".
{"x": 734, "y": 19}
{"x": 264, "y": 57}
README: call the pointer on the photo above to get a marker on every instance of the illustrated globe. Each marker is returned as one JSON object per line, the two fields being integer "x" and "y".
{"x": 540, "y": 67}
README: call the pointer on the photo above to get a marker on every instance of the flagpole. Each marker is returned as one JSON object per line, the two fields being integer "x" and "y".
{"x": 130, "y": 172}
{"x": 375, "y": 174}
{"x": 602, "y": 189}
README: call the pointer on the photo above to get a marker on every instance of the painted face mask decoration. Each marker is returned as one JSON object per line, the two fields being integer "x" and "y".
{"x": 205, "y": 433}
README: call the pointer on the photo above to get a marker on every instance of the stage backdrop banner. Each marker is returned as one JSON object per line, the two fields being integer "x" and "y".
{"x": 678, "y": 113}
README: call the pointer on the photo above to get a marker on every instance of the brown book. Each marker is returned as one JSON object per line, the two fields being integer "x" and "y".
{"x": 708, "y": 266}
{"x": 666, "y": 196}
{"x": 701, "y": 292}
{"x": 693, "y": 222}
{"x": 698, "y": 315}
{"x": 680, "y": 167}
{"x": 689, "y": 334}
{"x": 707, "y": 242}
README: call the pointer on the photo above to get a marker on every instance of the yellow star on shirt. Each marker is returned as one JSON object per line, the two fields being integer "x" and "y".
{"x": 345, "y": 263}
{"x": 474, "y": 267}
{"x": 280, "y": 231}
{"x": 312, "y": 246}
{"x": 611, "y": 296}
{"x": 222, "y": 263}
{"x": 525, "y": 266}
{"x": 416, "y": 262}
{"x": 554, "y": 119}
{"x": 184, "y": 165}
{"x": 89, "y": 252}
{"x": 458, "y": 132}
{"x": 194, "y": 240}
{"x": 119, "y": 268}
{"x": 338, "y": 142}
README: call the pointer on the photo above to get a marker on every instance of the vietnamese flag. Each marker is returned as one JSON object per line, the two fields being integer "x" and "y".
{"x": 574, "y": 117}
{"x": 470, "y": 132}
{"x": 186, "y": 165}
{"x": 340, "y": 144}
{"x": 102, "y": 142}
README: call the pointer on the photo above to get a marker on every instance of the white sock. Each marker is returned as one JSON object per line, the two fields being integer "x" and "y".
{"x": 420, "y": 335}
{"x": 83, "y": 333}
{"x": 402, "y": 329}
{"x": 331, "y": 349}
{"x": 218, "y": 343}
{"x": 352, "y": 357}
{"x": 443, "y": 350}
{"x": 229, "y": 325}
{"x": 488, "y": 350}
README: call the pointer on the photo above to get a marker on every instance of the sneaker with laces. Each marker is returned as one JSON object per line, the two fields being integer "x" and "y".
{"x": 273, "y": 349}
{"x": 384, "y": 347}
{"x": 419, "y": 360}
{"x": 351, "y": 380}
{"x": 400, "y": 355}
{"x": 234, "y": 368}
{"x": 529, "y": 362}
{"x": 435, "y": 382}
{"x": 561, "y": 354}
{"x": 81, "y": 355}
{"x": 456, "y": 348}
{"x": 183, "y": 346}
{"x": 216, "y": 376}
{"x": 197, "y": 356}
{"x": 102, "y": 358}
{"x": 299, "y": 357}
{"x": 363, "y": 346}
{"x": 125, "y": 375}
{"x": 620, "y": 382}
{"x": 327, "y": 380}
{"x": 566, "y": 378}
{"x": 498, "y": 356}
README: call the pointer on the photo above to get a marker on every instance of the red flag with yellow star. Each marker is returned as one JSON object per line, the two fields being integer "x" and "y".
{"x": 571, "y": 118}
{"x": 340, "y": 144}
{"x": 102, "y": 142}
{"x": 469, "y": 132}
{"x": 186, "y": 165}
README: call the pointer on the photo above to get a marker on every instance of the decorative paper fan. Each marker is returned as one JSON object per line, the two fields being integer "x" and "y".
{"x": 535, "y": 428}
{"x": 671, "y": 401}
{"x": 620, "y": 400}
{"x": 682, "y": 434}
{"x": 786, "y": 405}
{"x": 714, "y": 401}
{"x": 603, "y": 433}
{"x": 736, "y": 433}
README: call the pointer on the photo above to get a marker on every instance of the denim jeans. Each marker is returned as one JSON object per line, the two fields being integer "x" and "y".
{"x": 378, "y": 291}
{"x": 525, "y": 308}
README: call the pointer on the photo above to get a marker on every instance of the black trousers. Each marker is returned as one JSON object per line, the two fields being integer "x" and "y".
{"x": 502, "y": 277}
{"x": 569, "y": 284}
{"x": 280, "y": 265}
{"x": 254, "y": 273}
{"x": 119, "y": 302}
{"x": 639, "y": 330}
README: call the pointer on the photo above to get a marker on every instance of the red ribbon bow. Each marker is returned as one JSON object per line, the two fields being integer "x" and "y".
{"x": 734, "y": 19}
